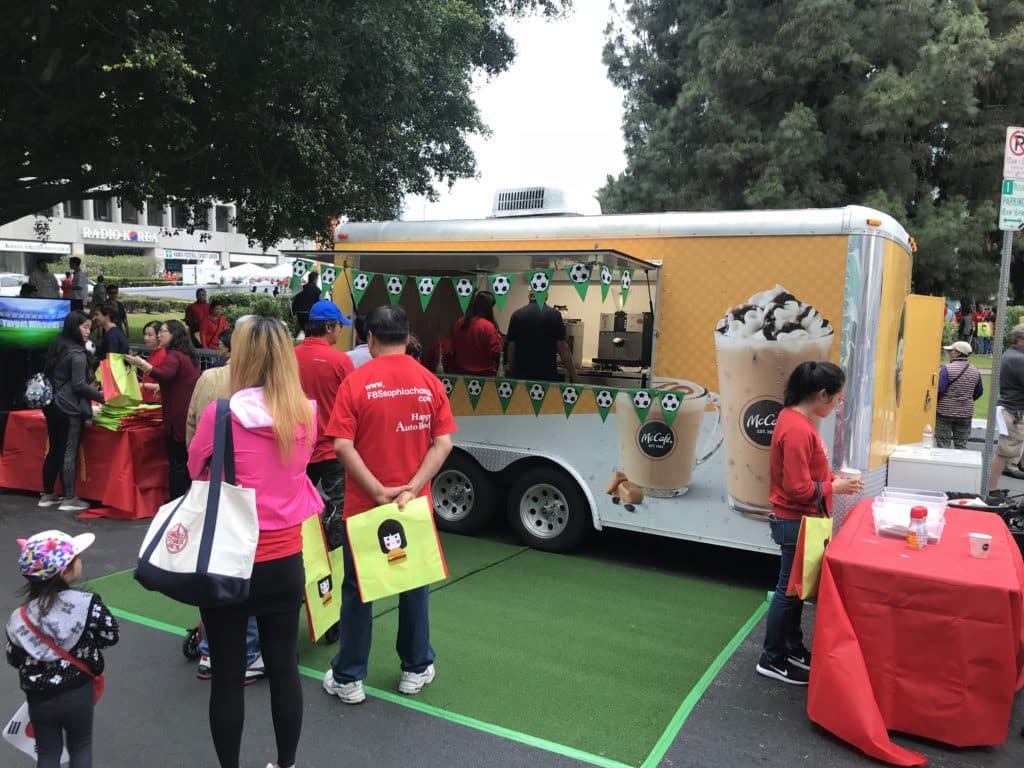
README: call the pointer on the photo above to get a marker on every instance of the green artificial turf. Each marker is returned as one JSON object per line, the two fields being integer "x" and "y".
{"x": 591, "y": 656}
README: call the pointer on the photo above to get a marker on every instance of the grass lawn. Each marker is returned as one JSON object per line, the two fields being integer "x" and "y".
{"x": 981, "y": 404}
{"x": 137, "y": 321}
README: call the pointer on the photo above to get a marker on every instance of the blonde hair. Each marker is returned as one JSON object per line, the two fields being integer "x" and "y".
{"x": 263, "y": 355}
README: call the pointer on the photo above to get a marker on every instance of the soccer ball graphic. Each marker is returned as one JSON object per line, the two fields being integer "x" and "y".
{"x": 642, "y": 399}
{"x": 501, "y": 285}
{"x": 626, "y": 281}
{"x": 474, "y": 387}
{"x": 570, "y": 395}
{"x": 464, "y": 287}
{"x": 606, "y": 276}
{"x": 670, "y": 402}
{"x": 299, "y": 268}
{"x": 537, "y": 392}
{"x": 539, "y": 281}
{"x": 327, "y": 276}
{"x": 448, "y": 386}
{"x": 361, "y": 282}
{"x": 505, "y": 390}
{"x": 579, "y": 273}
{"x": 394, "y": 285}
{"x": 604, "y": 398}
{"x": 426, "y": 286}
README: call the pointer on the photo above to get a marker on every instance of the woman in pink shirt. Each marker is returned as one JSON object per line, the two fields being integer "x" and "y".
{"x": 274, "y": 432}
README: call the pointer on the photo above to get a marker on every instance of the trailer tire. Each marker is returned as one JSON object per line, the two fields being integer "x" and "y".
{"x": 548, "y": 510}
{"x": 464, "y": 495}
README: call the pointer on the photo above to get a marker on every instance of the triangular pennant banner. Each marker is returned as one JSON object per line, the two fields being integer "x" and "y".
{"x": 328, "y": 274}
{"x": 537, "y": 390}
{"x": 299, "y": 269}
{"x": 670, "y": 403}
{"x": 448, "y": 382}
{"x": 539, "y": 281}
{"x": 606, "y": 281}
{"x": 360, "y": 282}
{"x": 464, "y": 288}
{"x": 625, "y": 280}
{"x": 474, "y": 388}
{"x": 506, "y": 388}
{"x": 605, "y": 399}
{"x": 570, "y": 396}
{"x": 579, "y": 276}
{"x": 425, "y": 288}
{"x": 501, "y": 285}
{"x": 394, "y": 284}
{"x": 641, "y": 402}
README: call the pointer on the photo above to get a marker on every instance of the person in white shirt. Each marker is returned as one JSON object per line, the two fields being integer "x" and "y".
{"x": 361, "y": 352}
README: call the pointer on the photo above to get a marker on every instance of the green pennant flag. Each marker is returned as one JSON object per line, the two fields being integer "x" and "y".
{"x": 328, "y": 274}
{"x": 474, "y": 388}
{"x": 537, "y": 390}
{"x": 500, "y": 287}
{"x": 448, "y": 382}
{"x": 641, "y": 402}
{"x": 425, "y": 287}
{"x": 360, "y": 282}
{"x": 579, "y": 276}
{"x": 570, "y": 396}
{"x": 394, "y": 285}
{"x": 605, "y": 399}
{"x": 539, "y": 281}
{"x": 606, "y": 281}
{"x": 299, "y": 269}
{"x": 670, "y": 403}
{"x": 506, "y": 388}
{"x": 625, "y": 280}
{"x": 464, "y": 289}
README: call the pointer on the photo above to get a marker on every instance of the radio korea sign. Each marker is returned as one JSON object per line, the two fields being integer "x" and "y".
{"x": 109, "y": 233}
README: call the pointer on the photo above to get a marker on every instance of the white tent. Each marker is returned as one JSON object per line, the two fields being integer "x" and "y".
{"x": 244, "y": 271}
{"x": 279, "y": 271}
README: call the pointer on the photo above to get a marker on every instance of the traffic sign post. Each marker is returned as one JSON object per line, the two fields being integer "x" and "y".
{"x": 1013, "y": 153}
{"x": 1011, "y": 205}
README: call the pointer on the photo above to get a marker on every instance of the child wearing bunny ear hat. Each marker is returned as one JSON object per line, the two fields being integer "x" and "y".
{"x": 54, "y": 641}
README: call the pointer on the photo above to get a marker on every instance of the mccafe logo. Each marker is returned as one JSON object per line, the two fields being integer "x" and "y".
{"x": 759, "y": 421}
{"x": 656, "y": 439}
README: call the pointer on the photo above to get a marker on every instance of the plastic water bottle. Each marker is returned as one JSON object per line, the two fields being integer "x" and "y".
{"x": 928, "y": 437}
{"x": 917, "y": 531}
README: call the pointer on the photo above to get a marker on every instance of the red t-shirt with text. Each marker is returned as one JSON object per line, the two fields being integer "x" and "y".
{"x": 391, "y": 408}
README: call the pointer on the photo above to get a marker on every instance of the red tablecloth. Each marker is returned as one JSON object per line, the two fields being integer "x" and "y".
{"x": 929, "y": 643}
{"x": 124, "y": 471}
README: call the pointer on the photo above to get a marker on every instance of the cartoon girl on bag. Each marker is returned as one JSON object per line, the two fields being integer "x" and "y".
{"x": 392, "y": 541}
{"x": 55, "y": 632}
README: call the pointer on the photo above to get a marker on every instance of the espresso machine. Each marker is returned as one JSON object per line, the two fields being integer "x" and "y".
{"x": 625, "y": 339}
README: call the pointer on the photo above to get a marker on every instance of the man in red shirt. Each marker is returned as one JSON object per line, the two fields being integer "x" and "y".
{"x": 393, "y": 427}
{"x": 195, "y": 314}
{"x": 322, "y": 368}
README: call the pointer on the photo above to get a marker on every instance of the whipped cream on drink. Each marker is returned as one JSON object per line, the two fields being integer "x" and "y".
{"x": 772, "y": 315}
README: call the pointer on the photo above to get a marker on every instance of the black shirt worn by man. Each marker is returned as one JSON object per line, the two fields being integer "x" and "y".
{"x": 113, "y": 341}
{"x": 304, "y": 301}
{"x": 535, "y": 331}
{"x": 1011, "y": 379}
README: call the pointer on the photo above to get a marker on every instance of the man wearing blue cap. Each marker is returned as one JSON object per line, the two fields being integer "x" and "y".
{"x": 322, "y": 368}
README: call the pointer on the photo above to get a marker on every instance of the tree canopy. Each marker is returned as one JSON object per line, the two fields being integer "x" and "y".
{"x": 734, "y": 104}
{"x": 297, "y": 110}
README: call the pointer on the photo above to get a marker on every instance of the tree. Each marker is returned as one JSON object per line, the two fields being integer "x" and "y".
{"x": 297, "y": 110}
{"x": 796, "y": 103}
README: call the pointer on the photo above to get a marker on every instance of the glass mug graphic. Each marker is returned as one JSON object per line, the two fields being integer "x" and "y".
{"x": 658, "y": 457}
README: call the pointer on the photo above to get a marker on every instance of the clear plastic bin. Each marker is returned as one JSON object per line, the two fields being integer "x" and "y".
{"x": 935, "y": 501}
{"x": 892, "y": 517}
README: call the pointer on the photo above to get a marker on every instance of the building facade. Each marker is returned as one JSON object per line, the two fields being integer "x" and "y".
{"x": 108, "y": 227}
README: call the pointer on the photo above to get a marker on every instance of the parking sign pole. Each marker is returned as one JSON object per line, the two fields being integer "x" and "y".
{"x": 997, "y": 352}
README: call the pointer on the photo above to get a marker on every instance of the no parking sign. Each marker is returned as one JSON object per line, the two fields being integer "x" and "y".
{"x": 1013, "y": 154}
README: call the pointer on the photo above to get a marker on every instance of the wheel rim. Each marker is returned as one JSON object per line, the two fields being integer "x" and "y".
{"x": 544, "y": 511}
{"x": 453, "y": 495}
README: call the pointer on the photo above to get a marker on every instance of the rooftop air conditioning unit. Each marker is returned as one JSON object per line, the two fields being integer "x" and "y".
{"x": 540, "y": 201}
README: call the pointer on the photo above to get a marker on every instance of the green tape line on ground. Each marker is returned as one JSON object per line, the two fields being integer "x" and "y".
{"x": 147, "y": 622}
{"x": 479, "y": 725}
{"x": 697, "y": 692}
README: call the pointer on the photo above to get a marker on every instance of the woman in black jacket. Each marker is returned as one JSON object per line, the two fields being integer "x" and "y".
{"x": 67, "y": 369}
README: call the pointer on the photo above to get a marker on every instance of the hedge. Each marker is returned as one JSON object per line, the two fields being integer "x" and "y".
{"x": 153, "y": 304}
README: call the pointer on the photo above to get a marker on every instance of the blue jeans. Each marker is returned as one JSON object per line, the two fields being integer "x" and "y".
{"x": 252, "y": 642}
{"x": 783, "y": 633}
{"x": 413, "y": 643}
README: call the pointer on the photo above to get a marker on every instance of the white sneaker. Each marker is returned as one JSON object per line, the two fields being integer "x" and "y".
{"x": 255, "y": 671}
{"x": 49, "y": 500}
{"x": 413, "y": 682}
{"x": 74, "y": 504}
{"x": 350, "y": 693}
{"x": 205, "y": 669}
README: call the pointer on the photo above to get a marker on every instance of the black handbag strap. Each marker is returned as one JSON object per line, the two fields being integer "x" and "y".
{"x": 222, "y": 462}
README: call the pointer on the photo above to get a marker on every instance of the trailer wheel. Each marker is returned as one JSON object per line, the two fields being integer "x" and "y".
{"x": 548, "y": 510}
{"x": 464, "y": 495}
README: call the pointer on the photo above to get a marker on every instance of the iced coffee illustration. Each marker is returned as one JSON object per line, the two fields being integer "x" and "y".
{"x": 759, "y": 344}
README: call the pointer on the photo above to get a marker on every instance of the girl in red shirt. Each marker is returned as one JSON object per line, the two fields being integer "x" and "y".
{"x": 150, "y": 336}
{"x": 476, "y": 343}
{"x": 800, "y": 483}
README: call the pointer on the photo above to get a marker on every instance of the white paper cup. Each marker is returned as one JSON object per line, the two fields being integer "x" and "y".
{"x": 849, "y": 474}
{"x": 980, "y": 544}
